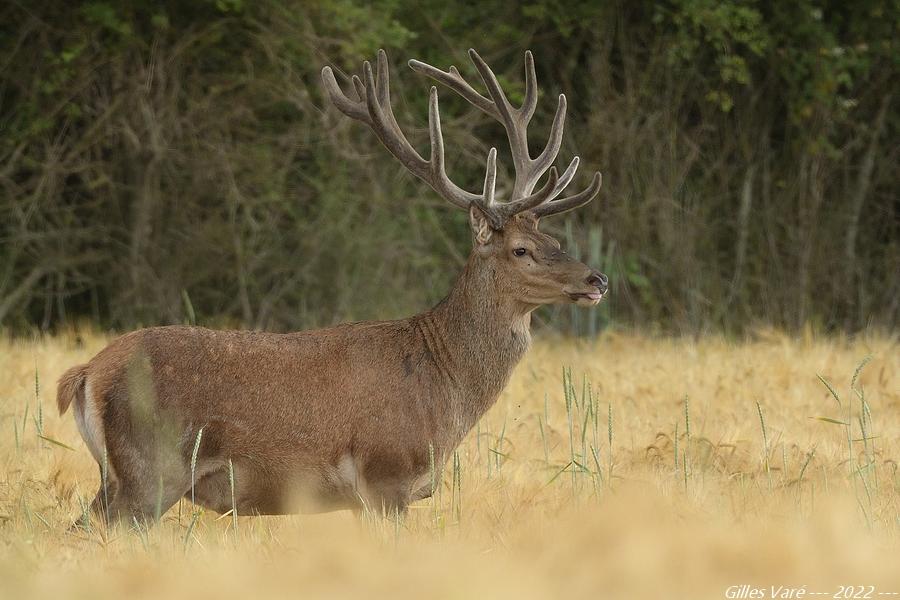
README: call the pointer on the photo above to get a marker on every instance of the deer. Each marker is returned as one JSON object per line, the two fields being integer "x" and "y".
{"x": 356, "y": 416}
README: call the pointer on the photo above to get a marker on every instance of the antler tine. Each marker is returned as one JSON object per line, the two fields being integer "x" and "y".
{"x": 551, "y": 189}
{"x": 360, "y": 88}
{"x": 439, "y": 180}
{"x": 501, "y": 103}
{"x": 531, "y": 91}
{"x": 572, "y": 202}
{"x": 354, "y": 110}
{"x": 515, "y": 207}
{"x": 490, "y": 180}
{"x": 435, "y": 135}
{"x": 554, "y": 143}
{"x": 383, "y": 94}
{"x": 386, "y": 129}
{"x": 487, "y": 202}
{"x": 455, "y": 82}
{"x": 383, "y": 87}
{"x": 566, "y": 178}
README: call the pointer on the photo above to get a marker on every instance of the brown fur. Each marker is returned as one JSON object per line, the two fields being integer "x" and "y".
{"x": 344, "y": 417}
{"x": 352, "y": 416}
{"x": 70, "y": 388}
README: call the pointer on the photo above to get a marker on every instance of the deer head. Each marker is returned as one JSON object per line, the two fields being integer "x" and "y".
{"x": 529, "y": 266}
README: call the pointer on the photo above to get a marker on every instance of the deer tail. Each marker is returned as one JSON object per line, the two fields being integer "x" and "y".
{"x": 70, "y": 387}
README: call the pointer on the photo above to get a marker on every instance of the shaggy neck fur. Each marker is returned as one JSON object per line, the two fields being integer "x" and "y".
{"x": 476, "y": 336}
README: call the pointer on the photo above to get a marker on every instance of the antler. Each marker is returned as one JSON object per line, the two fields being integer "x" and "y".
{"x": 515, "y": 121}
{"x": 374, "y": 109}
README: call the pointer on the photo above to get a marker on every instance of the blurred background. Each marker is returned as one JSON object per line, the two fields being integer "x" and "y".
{"x": 177, "y": 161}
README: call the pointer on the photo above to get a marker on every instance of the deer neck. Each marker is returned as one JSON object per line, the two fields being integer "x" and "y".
{"x": 476, "y": 337}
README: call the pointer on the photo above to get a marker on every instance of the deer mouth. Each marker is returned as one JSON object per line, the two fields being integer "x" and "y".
{"x": 591, "y": 298}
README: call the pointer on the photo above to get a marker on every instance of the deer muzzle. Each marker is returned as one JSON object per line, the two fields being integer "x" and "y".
{"x": 595, "y": 286}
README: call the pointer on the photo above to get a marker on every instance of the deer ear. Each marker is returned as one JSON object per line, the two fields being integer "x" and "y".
{"x": 481, "y": 227}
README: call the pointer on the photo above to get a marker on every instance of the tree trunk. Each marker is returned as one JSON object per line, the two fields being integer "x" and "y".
{"x": 853, "y": 282}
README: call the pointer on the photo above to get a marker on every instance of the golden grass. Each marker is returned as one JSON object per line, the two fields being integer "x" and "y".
{"x": 522, "y": 525}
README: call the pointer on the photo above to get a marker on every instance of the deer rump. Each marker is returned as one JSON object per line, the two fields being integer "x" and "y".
{"x": 348, "y": 417}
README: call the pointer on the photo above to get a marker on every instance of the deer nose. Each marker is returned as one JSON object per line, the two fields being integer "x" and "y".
{"x": 599, "y": 281}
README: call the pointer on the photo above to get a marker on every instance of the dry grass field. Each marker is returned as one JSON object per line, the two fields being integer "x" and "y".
{"x": 657, "y": 468}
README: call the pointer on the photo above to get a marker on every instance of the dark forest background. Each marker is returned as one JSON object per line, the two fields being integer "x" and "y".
{"x": 176, "y": 161}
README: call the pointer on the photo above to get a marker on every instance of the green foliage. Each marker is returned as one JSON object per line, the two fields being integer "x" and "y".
{"x": 152, "y": 152}
{"x": 375, "y": 25}
{"x": 729, "y": 35}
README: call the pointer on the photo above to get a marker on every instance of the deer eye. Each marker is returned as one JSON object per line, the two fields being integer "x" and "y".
{"x": 520, "y": 251}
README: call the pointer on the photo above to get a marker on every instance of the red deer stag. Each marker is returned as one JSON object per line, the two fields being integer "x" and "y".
{"x": 352, "y": 416}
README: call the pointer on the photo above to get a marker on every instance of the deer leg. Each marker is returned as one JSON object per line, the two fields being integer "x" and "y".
{"x": 143, "y": 483}
{"x": 213, "y": 491}
{"x": 387, "y": 500}
{"x": 99, "y": 506}
{"x": 129, "y": 503}
{"x": 422, "y": 493}
{"x": 105, "y": 496}
{"x": 148, "y": 454}
{"x": 143, "y": 503}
